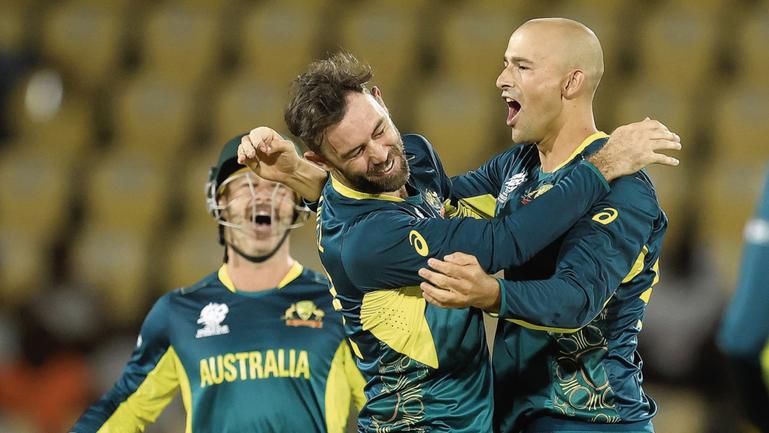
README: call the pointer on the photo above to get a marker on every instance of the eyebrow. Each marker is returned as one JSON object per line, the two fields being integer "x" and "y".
{"x": 353, "y": 150}
{"x": 517, "y": 60}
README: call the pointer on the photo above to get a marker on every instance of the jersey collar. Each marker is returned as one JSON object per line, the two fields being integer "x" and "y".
{"x": 585, "y": 143}
{"x": 291, "y": 275}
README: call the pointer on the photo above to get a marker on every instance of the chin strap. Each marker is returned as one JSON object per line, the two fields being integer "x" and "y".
{"x": 258, "y": 259}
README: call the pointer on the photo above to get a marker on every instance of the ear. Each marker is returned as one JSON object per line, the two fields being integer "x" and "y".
{"x": 377, "y": 94}
{"x": 575, "y": 82}
{"x": 317, "y": 159}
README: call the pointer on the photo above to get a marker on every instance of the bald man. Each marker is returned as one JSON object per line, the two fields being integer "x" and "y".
{"x": 575, "y": 367}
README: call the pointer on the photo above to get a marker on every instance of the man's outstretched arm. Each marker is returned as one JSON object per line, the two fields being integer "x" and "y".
{"x": 630, "y": 148}
{"x": 274, "y": 158}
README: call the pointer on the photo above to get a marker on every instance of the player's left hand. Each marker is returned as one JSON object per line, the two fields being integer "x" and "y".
{"x": 458, "y": 281}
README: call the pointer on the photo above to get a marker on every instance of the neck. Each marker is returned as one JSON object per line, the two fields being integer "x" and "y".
{"x": 559, "y": 144}
{"x": 400, "y": 193}
{"x": 255, "y": 277}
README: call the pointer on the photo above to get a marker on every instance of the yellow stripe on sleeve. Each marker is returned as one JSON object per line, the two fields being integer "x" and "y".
{"x": 638, "y": 266}
{"x": 148, "y": 401}
{"x": 765, "y": 364}
{"x": 535, "y": 327}
{"x": 355, "y": 381}
{"x": 184, "y": 386}
{"x": 342, "y": 387}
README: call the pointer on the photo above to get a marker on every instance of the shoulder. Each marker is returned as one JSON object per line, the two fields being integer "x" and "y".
{"x": 419, "y": 151}
{"x": 155, "y": 328}
{"x": 312, "y": 277}
{"x": 374, "y": 234}
{"x": 634, "y": 193}
{"x": 633, "y": 187}
{"x": 380, "y": 224}
{"x": 209, "y": 281}
{"x": 416, "y": 143}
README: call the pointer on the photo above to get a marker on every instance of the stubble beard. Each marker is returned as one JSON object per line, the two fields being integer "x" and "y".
{"x": 372, "y": 183}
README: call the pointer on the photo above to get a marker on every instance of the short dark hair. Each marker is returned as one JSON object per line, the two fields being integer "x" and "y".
{"x": 317, "y": 98}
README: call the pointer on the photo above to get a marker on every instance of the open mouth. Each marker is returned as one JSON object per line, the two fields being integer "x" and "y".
{"x": 513, "y": 108}
{"x": 262, "y": 220}
{"x": 386, "y": 169}
{"x": 389, "y": 166}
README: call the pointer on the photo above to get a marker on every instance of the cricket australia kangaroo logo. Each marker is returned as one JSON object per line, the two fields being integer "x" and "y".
{"x": 211, "y": 317}
{"x": 304, "y": 313}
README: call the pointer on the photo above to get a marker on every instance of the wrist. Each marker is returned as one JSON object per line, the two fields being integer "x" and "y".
{"x": 602, "y": 165}
{"x": 307, "y": 180}
{"x": 493, "y": 298}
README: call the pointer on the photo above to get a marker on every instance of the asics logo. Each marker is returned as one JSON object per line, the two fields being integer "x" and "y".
{"x": 419, "y": 243}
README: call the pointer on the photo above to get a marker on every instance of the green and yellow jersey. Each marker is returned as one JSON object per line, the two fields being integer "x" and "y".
{"x": 565, "y": 350}
{"x": 426, "y": 368}
{"x": 744, "y": 333}
{"x": 268, "y": 361}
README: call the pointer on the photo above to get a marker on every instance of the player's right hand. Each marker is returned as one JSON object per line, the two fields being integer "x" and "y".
{"x": 634, "y": 146}
{"x": 268, "y": 154}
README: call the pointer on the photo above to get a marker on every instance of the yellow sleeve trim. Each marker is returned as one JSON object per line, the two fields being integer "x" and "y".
{"x": 529, "y": 325}
{"x": 355, "y": 349}
{"x": 355, "y": 381}
{"x": 638, "y": 266}
{"x": 342, "y": 388}
{"x": 765, "y": 364}
{"x": 397, "y": 318}
{"x": 184, "y": 386}
{"x": 148, "y": 401}
{"x": 646, "y": 295}
{"x": 536, "y": 327}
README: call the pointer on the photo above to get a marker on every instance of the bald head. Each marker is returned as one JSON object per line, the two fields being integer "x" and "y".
{"x": 552, "y": 70}
{"x": 564, "y": 44}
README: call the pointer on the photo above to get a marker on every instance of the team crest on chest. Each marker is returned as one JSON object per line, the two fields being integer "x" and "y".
{"x": 532, "y": 194}
{"x": 431, "y": 198}
{"x": 211, "y": 317}
{"x": 510, "y": 185}
{"x": 304, "y": 313}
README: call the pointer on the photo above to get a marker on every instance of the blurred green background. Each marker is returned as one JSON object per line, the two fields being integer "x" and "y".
{"x": 113, "y": 110}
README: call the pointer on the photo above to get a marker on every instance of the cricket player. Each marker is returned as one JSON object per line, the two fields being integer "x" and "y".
{"x": 254, "y": 346}
{"x": 379, "y": 220}
{"x": 744, "y": 333}
{"x": 565, "y": 355}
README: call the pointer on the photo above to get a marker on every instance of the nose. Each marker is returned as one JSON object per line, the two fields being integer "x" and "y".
{"x": 261, "y": 195}
{"x": 503, "y": 80}
{"x": 378, "y": 153}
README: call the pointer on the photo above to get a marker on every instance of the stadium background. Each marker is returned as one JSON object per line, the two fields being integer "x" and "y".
{"x": 112, "y": 111}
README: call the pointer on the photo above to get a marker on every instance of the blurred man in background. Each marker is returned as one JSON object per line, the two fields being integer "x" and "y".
{"x": 744, "y": 334}
{"x": 253, "y": 347}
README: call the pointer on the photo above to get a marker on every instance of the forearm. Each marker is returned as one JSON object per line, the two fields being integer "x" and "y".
{"x": 554, "y": 302}
{"x": 97, "y": 415}
{"x": 307, "y": 180}
{"x": 522, "y": 234}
